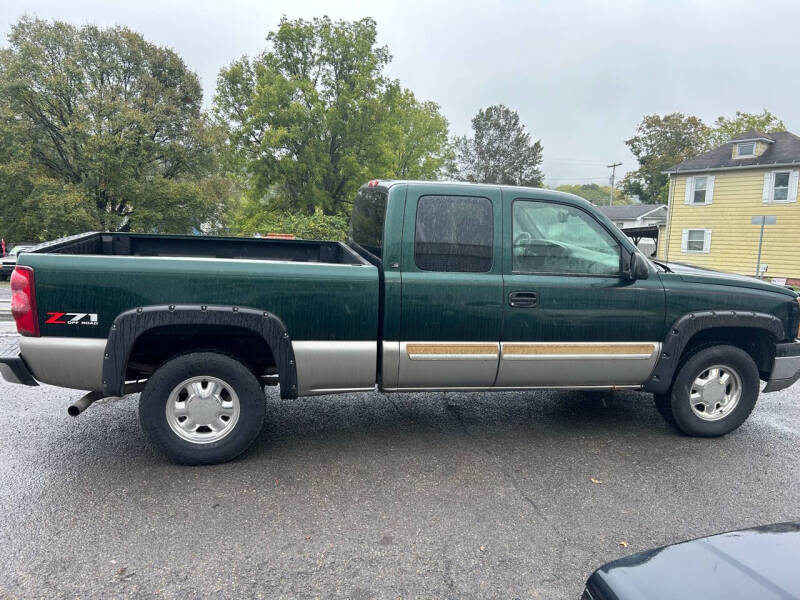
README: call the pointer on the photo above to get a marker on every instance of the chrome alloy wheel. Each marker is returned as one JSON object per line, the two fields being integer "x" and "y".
{"x": 202, "y": 409}
{"x": 715, "y": 393}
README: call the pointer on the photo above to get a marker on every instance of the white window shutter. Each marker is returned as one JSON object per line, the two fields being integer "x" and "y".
{"x": 710, "y": 189}
{"x": 684, "y": 240}
{"x": 707, "y": 241}
{"x": 767, "y": 187}
{"x": 793, "y": 187}
{"x": 689, "y": 189}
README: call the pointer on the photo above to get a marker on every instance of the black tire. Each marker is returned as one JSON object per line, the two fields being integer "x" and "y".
{"x": 676, "y": 408}
{"x": 234, "y": 375}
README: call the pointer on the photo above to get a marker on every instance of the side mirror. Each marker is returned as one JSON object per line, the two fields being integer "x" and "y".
{"x": 638, "y": 267}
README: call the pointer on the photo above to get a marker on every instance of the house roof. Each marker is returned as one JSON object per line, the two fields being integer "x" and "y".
{"x": 629, "y": 211}
{"x": 752, "y": 134}
{"x": 784, "y": 151}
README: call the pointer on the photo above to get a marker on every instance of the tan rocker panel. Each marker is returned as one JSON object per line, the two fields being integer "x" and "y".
{"x": 447, "y": 351}
{"x": 578, "y": 349}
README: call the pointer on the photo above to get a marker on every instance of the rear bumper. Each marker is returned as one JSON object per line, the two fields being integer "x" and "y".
{"x": 786, "y": 368}
{"x": 12, "y": 366}
{"x": 14, "y": 370}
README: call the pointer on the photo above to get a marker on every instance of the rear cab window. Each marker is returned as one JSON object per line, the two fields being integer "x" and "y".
{"x": 367, "y": 222}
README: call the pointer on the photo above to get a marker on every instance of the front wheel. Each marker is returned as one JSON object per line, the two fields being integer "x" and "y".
{"x": 713, "y": 393}
{"x": 202, "y": 408}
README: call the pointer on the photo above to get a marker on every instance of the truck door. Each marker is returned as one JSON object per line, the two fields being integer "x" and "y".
{"x": 571, "y": 318}
{"x": 452, "y": 288}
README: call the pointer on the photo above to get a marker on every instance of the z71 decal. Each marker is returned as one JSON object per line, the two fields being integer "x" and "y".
{"x": 65, "y": 318}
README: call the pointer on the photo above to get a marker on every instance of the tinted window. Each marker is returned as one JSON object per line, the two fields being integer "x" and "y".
{"x": 453, "y": 233}
{"x": 556, "y": 238}
{"x": 367, "y": 218}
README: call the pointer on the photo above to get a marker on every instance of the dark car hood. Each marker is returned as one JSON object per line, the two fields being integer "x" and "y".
{"x": 701, "y": 275}
{"x": 763, "y": 563}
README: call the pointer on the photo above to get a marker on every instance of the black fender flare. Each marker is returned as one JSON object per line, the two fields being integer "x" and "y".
{"x": 129, "y": 325}
{"x": 688, "y": 325}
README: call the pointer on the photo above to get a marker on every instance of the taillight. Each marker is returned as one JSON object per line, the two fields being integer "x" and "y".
{"x": 23, "y": 301}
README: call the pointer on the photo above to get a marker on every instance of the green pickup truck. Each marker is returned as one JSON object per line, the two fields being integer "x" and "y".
{"x": 441, "y": 286}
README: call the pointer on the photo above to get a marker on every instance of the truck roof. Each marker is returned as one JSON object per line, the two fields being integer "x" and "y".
{"x": 539, "y": 192}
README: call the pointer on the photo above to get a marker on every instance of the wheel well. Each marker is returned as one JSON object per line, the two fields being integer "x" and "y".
{"x": 757, "y": 342}
{"x": 157, "y": 345}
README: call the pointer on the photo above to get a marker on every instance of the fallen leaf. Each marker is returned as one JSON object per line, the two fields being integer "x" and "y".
{"x": 623, "y": 543}
{"x": 593, "y": 480}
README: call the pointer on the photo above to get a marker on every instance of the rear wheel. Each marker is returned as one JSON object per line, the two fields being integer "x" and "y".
{"x": 714, "y": 391}
{"x": 202, "y": 408}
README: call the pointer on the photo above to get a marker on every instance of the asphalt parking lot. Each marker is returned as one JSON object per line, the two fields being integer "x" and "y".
{"x": 371, "y": 496}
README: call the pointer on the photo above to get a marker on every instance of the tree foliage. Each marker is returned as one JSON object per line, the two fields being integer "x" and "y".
{"x": 726, "y": 128}
{"x": 314, "y": 117}
{"x": 259, "y": 216}
{"x": 594, "y": 193}
{"x": 659, "y": 143}
{"x": 101, "y": 130}
{"x": 499, "y": 151}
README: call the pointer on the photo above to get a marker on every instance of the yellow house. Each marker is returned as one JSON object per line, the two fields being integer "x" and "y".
{"x": 715, "y": 197}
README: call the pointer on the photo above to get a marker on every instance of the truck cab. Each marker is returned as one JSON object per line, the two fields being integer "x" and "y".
{"x": 490, "y": 287}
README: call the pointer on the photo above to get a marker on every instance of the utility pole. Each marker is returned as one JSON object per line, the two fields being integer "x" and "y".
{"x": 613, "y": 167}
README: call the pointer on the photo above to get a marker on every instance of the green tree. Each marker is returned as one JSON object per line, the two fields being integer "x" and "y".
{"x": 101, "y": 130}
{"x": 314, "y": 117}
{"x": 726, "y": 128}
{"x": 659, "y": 143}
{"x": 594, "y": 193}
{"x": 499, "y": 151}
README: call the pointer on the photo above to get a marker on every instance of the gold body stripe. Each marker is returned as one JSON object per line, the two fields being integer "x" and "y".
{"x": 466, "y": 349}
{"x": 578, "y": 348}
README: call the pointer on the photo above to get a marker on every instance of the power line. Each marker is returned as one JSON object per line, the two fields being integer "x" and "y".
{"x": 574, "y": 160}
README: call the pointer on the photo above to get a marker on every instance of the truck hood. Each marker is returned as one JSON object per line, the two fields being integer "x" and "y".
{"x": 701, "y": 275}
{"x": 752, "y": 563}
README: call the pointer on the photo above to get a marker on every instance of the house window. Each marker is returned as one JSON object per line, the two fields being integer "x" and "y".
{"x": 745, "y": 149}
{"x": 700, "y": 184}
{"x": 780, "y": 186}
{"x": 780, "y": 189}
{"x": 700, "y": 189}
{"x": 696, "y": 240}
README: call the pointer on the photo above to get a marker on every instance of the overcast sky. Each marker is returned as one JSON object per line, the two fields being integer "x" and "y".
{"x": 580, "y": 74}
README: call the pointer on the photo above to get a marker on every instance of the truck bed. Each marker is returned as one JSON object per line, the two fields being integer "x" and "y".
{"x": 139, "y": 244}
{"x": 320, "y": 290}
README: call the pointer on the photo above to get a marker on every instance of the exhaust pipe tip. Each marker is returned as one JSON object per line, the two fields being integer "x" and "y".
{"x": 73, "y": 410}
